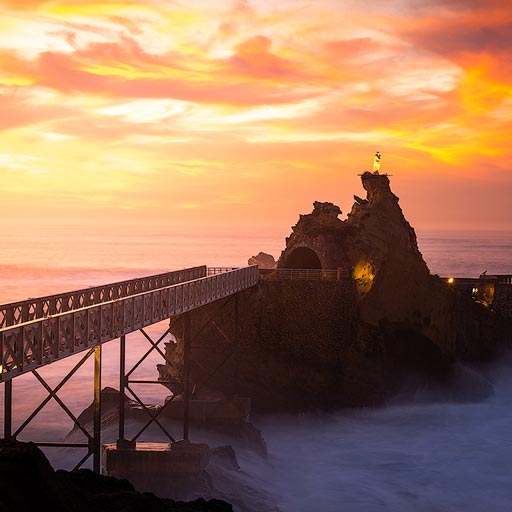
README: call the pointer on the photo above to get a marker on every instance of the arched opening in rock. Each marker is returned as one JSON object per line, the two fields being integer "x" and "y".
{"x": 302, "y": 257}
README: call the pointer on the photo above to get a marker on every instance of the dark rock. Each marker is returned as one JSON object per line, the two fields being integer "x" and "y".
{"x": 28, "y": 483}
{"x": 263, "y": 260}
{"x": 110, "y": 409}
{"x": 463, "y": 384}
{"x": 459, "y": 385}
{"x": 326, "y": 210}
{"x": 254, "y": 437}
{"x": 226, "y": 456}
{"x": 359, "y": 200}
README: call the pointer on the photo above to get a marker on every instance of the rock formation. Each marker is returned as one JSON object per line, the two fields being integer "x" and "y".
{"x": 395, "y": 291}
{"x": 310, "y": 344}
{"x": 28, "y": 482}
{"x": 263, "y": 260}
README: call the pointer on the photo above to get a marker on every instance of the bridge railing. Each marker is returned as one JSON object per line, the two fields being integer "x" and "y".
{"x": 504, "y": 279}
{"x": 31, "y": 309}
{"x": 308, "y": 274}
{"x": 27, "y": 346}
{"x": 493, "y": 278}
{"x": 219, "y": 270}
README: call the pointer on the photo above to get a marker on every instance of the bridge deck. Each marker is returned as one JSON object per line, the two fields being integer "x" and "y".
{"x": 40, "y": 331}
{"x": 30, "y": 309}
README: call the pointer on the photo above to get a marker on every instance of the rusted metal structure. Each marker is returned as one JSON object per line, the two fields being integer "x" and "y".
{"x": 38, "y": 332}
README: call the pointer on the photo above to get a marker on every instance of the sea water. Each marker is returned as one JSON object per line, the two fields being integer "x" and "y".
{"x": 421, "y": 457}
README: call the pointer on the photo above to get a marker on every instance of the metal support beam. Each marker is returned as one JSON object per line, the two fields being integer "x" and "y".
{"x": 237, "y": 345}
{"x": 153, "y": 417}
{"x": 122, "y": 383}
{"x": 233, "y": 342}
{"x": 52, "y": 393}
{"x": 96, "y": 453}
{"x": 64, "y": 407}
{"x": 154, "y": 346}
{"x": 186, "y": 374}
{"x": 8, "y": 409}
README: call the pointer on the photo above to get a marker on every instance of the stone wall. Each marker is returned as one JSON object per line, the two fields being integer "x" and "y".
{"x": 293, "y": 336}
{"x": 495, "y": 295}
{"x": 502, "y": 302}
{"x": 302, "y": 345}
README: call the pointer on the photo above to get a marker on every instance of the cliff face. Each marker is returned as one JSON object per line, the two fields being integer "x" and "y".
{"x": 395, "y": 291}
{"x": 318, "y": 240}
{"x": 313, "y": 344}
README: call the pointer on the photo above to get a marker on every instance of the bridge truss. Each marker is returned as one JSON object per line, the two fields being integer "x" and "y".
{"x": 37, "y": 332}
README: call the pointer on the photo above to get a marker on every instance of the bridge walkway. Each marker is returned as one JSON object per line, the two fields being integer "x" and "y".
{"x": 41, "y": 331}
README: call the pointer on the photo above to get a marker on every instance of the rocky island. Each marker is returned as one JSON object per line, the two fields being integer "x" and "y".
{"x": 383, "y": 325}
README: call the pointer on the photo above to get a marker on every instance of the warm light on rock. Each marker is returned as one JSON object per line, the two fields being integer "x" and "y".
{"x": 364, "y": 275}
{"x": 484, "y": 293}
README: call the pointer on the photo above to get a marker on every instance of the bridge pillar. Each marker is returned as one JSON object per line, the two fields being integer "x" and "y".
{"x": 96, "y": 454}
{"x": 8, "y": 409}
{"x": 186, "y": 375}
{"x": 237, "y": 345}
{"x": 122, "y": 384}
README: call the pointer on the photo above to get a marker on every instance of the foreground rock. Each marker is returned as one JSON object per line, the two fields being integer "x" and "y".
{"x": 28, "y": 482}
{"x": 223, "y": 478}
{"x": 318, "y": 344}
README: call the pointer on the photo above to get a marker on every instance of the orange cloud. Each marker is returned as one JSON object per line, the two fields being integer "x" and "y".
{"x": 254, "y": 58}
{"x": 215, "y": 109}
{"x": 23, "y": 4}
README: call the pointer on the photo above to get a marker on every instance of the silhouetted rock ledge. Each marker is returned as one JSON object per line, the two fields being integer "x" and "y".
{"x": 320, "y": 344}
{"x": 28, "y": 483}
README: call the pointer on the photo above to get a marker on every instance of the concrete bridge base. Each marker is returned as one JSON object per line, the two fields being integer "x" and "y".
{"x": 161, "y": 468}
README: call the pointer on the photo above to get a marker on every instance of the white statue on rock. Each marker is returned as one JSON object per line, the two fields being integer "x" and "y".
{"x": 376, "y": 163}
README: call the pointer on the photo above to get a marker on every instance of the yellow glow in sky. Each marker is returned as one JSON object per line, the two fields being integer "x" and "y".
{"x": 242, "y": 113}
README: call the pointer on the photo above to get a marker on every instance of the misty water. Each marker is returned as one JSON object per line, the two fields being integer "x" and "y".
{"x": 422, "y": 457}
{"x": 416, "y": 456}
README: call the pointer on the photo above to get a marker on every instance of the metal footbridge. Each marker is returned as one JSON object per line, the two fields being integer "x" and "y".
{"x": 36, "y": 332}
{"x": 41, "y": 331}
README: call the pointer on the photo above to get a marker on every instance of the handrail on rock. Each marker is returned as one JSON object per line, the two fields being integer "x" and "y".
{"x": 306, "y": 274}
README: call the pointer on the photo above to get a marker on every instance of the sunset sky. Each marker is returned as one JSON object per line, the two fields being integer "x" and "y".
{"x": 233, "y": 114}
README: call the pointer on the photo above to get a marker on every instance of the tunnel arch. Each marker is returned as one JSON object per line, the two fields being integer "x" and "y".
{"x": 303, "y": 257}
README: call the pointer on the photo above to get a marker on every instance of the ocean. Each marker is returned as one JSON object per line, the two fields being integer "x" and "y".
{"x": 422, "y": 457}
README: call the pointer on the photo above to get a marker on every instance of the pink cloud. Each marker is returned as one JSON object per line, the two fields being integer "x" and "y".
{"x": 17, "y": 111}
{"x": 226, "y": 82}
